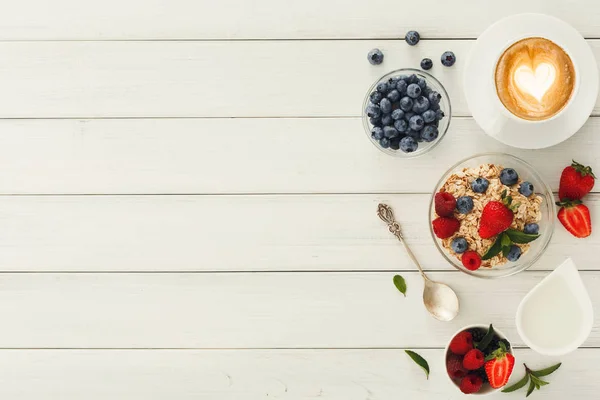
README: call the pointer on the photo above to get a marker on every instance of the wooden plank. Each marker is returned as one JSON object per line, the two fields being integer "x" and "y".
{"x": 208, "y": 79}
{"x": 232, "y": 233}
{"x": 270, "y": 19}
{"x": 262, "y": 374}
{"x": 250, "y": 310}
{"x": 316, "y": 155}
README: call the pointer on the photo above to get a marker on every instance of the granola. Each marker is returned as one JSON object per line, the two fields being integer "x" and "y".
{"x": 459, "y": 184}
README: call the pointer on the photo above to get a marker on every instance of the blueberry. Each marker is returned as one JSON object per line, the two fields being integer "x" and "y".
{"x": 412, "y": 37}
{"x": 426, "y": 64}
{"x": 439, "y": 114}
{"x": 375, "y": 56}
{"x": 429, "y": 133}
{"x": 408, "y": 115}
{"x": 375, "y": 97}
{"x": 386, "y": 106}
{"x": 416, "y": 123}
{"x": 375, "y": 121}
{"x": 509, "y": 176}
{"x": 526, "y": 189}
{"x": 384, "y": 142}
{"x": 406, "y": 104}
{"x": 435, "y": 123}
{"x": 464, "y": 204}
{"x": 448, "y": 59}
{"x": 459, "y": 245}
{"x": 387, "y": 120}
{"x": 401, "y": 126}
{"x": 480, "y": 185}
{"x": 383, "y": 87}
{"x": 390, "y": 132}
{"x": 531, "y": 229}
{"x": 412, "y": 79}
{"x": 392, "y": 82}
{"x": 514, "y": 253}
{"x": 428, "y": 116}
{"x": 373, "y": 111}
{"x": 408, "y": 144}
{"x": 414, "y": 134}
{"x": 397, "y": 114}
{"x": 377, "y": 133}
{"x": 394, "y": 95}
{"x": 401, "y": 87}
{"x": 422, "y": 83}
{"x": 434, "y": 106}
{"x": 434, "y": 97}
{"x": 395, "y": 143}
{"x": 413, "y": 90}
{"x": 421, "y": 104}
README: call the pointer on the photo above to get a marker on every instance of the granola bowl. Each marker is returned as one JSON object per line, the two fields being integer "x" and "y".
{"x": 536, "y": 208}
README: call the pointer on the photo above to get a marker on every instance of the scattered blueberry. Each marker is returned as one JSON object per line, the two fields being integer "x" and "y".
{"x": 421, "y": 104}
{"x": 531, "y": 229}
{"x": 394, "y": 95}
{"x": 439, "y": 114}
{"x": 377, "y": 133}
{"x": 459, "y": 245}
{"x": 375, "y": 97}
{"x": 383, "y": 87}
{"x": 386, "y": 106}
{"x": 373, "y": 111}
{"x": 397, "y": 114}
{"x": 426, "y": 64}
{"x": 448, "y": 59}
{"x": 429, "y": 133}
{"x": 386, "y": 120}
{"x": 526, "y": 189}
{"x": 375, "y": 57}
{"x": 408, "y": 144}
{"x": 464, "y": 204}
{"x": 401, "y": 87}
{"x": 412, "y": 37}
{"x": 413, "y": 90}
{"x": 434, "y": 97}
{"x": 514, "y": 253}
{"x": 428, "y": 116}
{"x": 480, "y": 185}
{"x": 384, "y": 142}
{"x": 390, "y": 132}
{"x": 395, "y": 143}
{"x": 509, "y": 176}
{"x": 401, "y": 125}
{"x": 422, "y": 83}
{"x": 406, "y": 104}
{"x": 416, "y": 123}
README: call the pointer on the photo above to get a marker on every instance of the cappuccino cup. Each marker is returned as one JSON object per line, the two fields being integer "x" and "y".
{"x": 535, "y": 80}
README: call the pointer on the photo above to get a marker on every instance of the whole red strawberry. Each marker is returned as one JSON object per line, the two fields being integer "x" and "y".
{"x": 499, "y": 368}
{"x": 461, "y": 343}
{"x": 445, "y": 204}
{"x": 444, "y": 227}
{"x": 474, "y": 359}
{"x": 575, "y": 217}
{"x": 471, "y": 384}
{"x": 496, "y": 217}
{"x": 575, "y": 182}
{"x": 454, "y": 366}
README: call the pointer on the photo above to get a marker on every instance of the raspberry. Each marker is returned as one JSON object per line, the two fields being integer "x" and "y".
{"x": 444, "y": 227}
{"x": 471, "y": 260}
{"x": 445, "y": 204}
{"x": 474, "y": 359}
{"x": 461, "y": 343}
{"x": 454, "y": 366}
{"x": 471, "y": 384}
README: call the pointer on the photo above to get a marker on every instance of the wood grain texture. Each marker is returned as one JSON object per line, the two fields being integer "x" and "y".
{"x": 262, "y": 374}
{"x": 209, "y": 79}
{"x": 272, "y": 155}
{"x": 251, "y": 310}
{"x": 270, "y": 19}
{"x": 232, "y": 233}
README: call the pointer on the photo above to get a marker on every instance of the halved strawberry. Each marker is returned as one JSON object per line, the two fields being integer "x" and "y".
{"x": 575, "y": 217}
{"x": 499, "y": 367}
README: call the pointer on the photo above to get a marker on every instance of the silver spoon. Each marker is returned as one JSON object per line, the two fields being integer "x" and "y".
{"x": 439, "y": 299}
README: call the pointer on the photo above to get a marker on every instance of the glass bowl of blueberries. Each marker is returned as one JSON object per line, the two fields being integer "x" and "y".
{"x": 406, "y": 112}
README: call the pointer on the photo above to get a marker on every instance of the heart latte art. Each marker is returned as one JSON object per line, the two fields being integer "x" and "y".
{"x": 535, "y": 78}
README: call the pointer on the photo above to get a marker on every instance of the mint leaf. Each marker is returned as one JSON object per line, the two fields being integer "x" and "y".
{"x": 419, "y": 360}
{"x": 400, "y": 284}
{"x": 520, "y": 237}
{"x": 487, "y": 339}
{"x": 517, "y": 385}
{"x": 494, "y": 250}
{"x": 546, "y": 371}
{"x": 530, "y": 389}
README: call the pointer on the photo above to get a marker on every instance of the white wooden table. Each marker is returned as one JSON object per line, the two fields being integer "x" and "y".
{"x": 187, "y": 202}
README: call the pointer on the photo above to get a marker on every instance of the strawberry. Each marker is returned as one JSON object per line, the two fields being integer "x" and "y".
{"x": 474, "y": 359}
{"x": 471, "y": 384}
{"x": 496, "y": 217}
{"x": 575, "y": 182}
{"x": 444, "y": 227}
{"x": 461, "y": 343}
{"x": 499, "y": 367}
{"x": 575, "y": 217}
{"x": 471, "y": 260}
{"x": 454, "y": 366}
{"x": 445, "y": 204}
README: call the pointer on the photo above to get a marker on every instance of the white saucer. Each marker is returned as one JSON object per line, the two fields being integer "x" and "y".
{"x": 480, "y": 89}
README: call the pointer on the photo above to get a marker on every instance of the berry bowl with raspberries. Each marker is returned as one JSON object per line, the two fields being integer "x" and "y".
{"x": 479, "y": 360}
{"x": 492, "y": 215}
{"x": 406, "y": 113}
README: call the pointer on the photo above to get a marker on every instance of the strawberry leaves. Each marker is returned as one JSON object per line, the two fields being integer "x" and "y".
{"x": 505, "y": 240}
{"x": 533, "y": 377}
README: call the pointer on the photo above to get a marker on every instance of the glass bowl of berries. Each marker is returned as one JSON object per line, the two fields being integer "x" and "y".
{"x": 479, "y": 359}
{"x": 406, "y": 113}
{"x": 492, "y": 215}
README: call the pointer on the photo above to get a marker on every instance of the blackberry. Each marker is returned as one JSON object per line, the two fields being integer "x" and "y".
{"x": 481, "y": 372}
{"x": 477, "y": 334}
